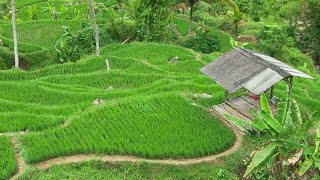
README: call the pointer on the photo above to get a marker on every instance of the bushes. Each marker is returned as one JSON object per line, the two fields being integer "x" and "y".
{"x": 206, "y": 43}
{"x": 122, "y": 30}
{"x": 295, "y": 57}
{"x": 278, "y": 43}
{"x": 70, "y": 47}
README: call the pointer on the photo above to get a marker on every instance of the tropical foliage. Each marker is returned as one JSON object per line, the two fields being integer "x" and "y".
{"x": 154, "y": 101}
{"x": 292, "y": 149}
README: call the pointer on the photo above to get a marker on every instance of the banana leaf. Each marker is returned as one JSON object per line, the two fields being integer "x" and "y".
{"x": 305, "y": 167}
{"x": 240, "y": 122}
{"x": 258, "y": 122}
{"x": 282, "y": 112}
{"x": 259, "y": 157}
{"x": 296, "y": 112}
{"x": 265, "y": 105}
{"x": 272, "y": 122}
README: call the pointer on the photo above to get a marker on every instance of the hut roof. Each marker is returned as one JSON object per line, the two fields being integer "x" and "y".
{"x": 256, "y": 72}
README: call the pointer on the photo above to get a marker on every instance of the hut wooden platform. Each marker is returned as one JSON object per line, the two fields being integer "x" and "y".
{"x": 239, "y": 107}
{"x": 256, "y": 73}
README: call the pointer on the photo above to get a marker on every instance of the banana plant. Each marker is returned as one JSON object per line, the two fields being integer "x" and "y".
{"x": 33, "y": 11}
{"x": 51, "y": 9}
{"x": 311, "y": 153}
{"x": 288, "y": 136}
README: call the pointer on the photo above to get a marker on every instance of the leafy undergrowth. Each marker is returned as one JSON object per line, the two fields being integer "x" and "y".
{"x": 8, "y": 164}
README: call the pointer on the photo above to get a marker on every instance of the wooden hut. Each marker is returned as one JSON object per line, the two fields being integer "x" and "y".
{"x": 253, "y": 73}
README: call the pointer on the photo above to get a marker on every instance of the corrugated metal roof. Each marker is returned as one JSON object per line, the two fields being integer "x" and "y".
{"x": 262, "y": 81}
{"x": 242, "y": 68}
{"x": 292, "y": 71}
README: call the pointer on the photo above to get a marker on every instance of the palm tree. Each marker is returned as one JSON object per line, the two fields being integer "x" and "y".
{"x": 95, "y": 27}
{"x": 15, "y": 37}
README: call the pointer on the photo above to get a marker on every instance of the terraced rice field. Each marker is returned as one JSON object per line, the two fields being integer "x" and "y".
{"x": 7, "y": 158}
{"x": 149, "y": 110}
{"x": 149, "y": 107}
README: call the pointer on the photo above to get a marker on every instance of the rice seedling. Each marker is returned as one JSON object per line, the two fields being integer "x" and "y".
{"x": 8, "y": 164}
{"x": 158, "y": 126}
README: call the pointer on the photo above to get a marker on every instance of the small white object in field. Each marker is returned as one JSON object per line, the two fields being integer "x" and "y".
{"x": 110, "y": 88}
{"x": 174, "y": 59}
{"x": 98, "y": 102}
{"x": 108, "y": 65}
{"x": 203, "y": 96}
{"x": 1, "y": 42}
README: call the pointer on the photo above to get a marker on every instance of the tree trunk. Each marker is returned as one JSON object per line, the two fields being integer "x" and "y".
{"x": 191, "y": 2}
{"x": 95, "y": 27}
{"x": 15, "y": 37}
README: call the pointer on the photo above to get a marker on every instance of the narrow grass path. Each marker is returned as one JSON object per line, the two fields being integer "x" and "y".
{"x": 115, "y": 158}
{"x": 20, "y": 161}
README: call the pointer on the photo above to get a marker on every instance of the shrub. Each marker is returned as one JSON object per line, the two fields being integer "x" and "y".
{"x": 279, "y": 44}
{"x": 71, "y": 47}
{"x": 273, "y": 39}
{"x": 295, "y": 57}
{"x": 206, "y": 43}
{"x": 2, "y": 64}
{"x": 122, "y": 30}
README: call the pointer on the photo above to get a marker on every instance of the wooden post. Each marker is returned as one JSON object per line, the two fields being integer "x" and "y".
{"x": 226, "y": 95}
{"x": 290, "y": 87}
{"x": 107, "y": 65}
{"x": 271, "y": 93}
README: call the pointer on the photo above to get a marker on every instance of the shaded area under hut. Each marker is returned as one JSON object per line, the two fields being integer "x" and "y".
{"x": 246, "y": 74}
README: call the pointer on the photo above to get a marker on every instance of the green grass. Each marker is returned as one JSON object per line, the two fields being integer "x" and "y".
{"x": 146, "y": 92}
{"x": 42, "y": 32}
{"x": 8, "y": 164}
{"x": 164, "y": 126}
{"x": 150, "y": 111}
{"x": 225, "y": 168}
{"x": 23, "y": 3}
{"x": 183, "y": 25}
{"x": 119, "y": 171}
{"x": 153, "y": 53}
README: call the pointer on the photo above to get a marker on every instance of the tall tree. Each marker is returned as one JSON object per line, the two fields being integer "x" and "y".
{"x": 191, "y": 3}
{"x": 95, "y": 27}
{"x": 15, "y": 37}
